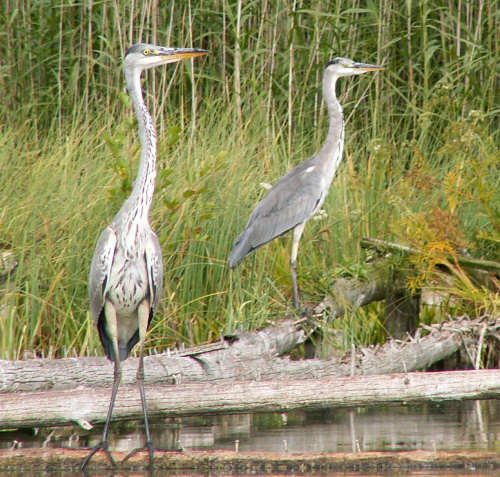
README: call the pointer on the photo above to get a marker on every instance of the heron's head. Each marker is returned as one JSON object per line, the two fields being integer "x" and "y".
{"x": 345, "y": 67}
{"x": 144, "y": 56}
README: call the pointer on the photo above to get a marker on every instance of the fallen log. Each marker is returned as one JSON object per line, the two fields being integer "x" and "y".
{"x": 253, "y": 356}
{"x": 49, "y": 408}
{"x": 251, "y": 463}
{"x": 241, "y": 356}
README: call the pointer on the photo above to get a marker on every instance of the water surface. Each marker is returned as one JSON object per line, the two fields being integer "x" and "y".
{"x": 451, "y": 426}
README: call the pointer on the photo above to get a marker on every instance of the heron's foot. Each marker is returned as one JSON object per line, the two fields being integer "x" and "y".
{"x": 302, "y": 312}
{"x": 149, "y": 447}
{"x": 103, "y": 445}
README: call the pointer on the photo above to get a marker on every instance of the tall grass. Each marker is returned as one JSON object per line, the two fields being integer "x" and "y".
{"x": 421, "y": 158}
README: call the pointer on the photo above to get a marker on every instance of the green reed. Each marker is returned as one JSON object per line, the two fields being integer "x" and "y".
{"x": 420, "y": 163}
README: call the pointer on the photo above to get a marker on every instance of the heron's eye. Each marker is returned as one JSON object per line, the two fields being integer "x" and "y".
{"x": 146, "y": 52}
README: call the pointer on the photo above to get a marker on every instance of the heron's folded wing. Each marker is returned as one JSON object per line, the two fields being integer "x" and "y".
{"x": 100, "y": 268}
{"x": 154, "y": 265}
{"x": 291, "y": 201}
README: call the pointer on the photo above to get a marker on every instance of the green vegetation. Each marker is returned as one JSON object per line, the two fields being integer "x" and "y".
{"x": 421, "y": 160}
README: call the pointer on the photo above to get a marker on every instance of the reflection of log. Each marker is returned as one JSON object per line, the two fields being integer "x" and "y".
{"x": 260, "y": 463}
{"x": 82, "y": 405}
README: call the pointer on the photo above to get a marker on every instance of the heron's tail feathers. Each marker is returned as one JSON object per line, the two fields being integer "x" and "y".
{"x": 246, "y": 243}
{"x": 238, "y": 253}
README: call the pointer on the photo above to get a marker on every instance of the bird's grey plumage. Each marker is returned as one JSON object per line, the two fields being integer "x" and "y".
{"x": 126, "y": 274}
{"x": 300, "y": 193}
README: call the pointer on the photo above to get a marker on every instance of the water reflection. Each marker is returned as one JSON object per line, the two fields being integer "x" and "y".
{"x": 465, "y": 426}
{"x": 453, "y": 426}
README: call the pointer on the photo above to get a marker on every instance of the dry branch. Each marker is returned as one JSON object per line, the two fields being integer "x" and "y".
{"x": 49, "y": 408}
{"x": 469, "y": 262}
{"x": 311, "y": 384}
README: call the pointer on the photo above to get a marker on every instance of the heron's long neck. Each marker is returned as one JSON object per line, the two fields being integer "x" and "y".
{"x": 334, "y": 142}
{"x": 139, "y": 202}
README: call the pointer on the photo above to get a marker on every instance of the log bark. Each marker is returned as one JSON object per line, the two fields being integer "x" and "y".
{"x": 253, "y": 356}
{"x": 49, "y": 408}
{"x": 253, "y": 463}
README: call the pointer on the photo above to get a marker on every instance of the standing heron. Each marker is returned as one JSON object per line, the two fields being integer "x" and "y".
{"x": 126, "y": 274}
{"x": 300, "y": 193}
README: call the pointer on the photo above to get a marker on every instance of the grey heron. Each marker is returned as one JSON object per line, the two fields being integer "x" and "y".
{"x": 126, "y": 274}
{"x": 300, "y": 193}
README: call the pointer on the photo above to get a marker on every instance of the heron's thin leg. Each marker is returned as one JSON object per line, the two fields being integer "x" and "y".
{"x": 110, "y": 316}
{"x": 140, "y": 378}
{"x": 103, "y": 444}
{"x": 143, "y": 312}
{"x": 297, "y": 233}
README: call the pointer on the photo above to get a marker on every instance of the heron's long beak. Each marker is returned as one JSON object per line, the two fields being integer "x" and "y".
{"x": 176, "y": 54}
{"x": 367, "y": 67}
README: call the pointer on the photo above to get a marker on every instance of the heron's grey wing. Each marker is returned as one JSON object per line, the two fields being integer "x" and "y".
{"x": 100, "y": 269}
{"x": 291, "y": 201}
{"x": 154, "y": 265}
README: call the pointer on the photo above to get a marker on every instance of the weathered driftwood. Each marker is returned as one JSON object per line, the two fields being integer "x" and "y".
{"x": 254, "y": 356}
{"x": 278, "y": 392}
{"x": 83, "y": 405}
{"x": 402, "y": 309}
{"x": 8, "y": 266}
{"x": 240, "y": 357}
{"x": 351, "y": 293}
{"x": 248, "y": 463}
